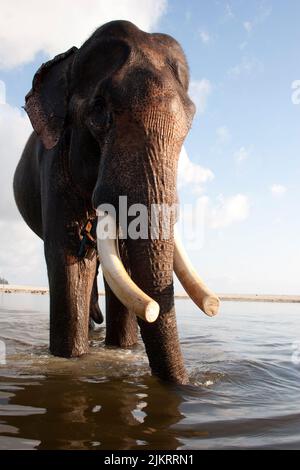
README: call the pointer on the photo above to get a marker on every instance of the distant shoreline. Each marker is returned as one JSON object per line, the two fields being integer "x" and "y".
{"x": 13, "y": 289}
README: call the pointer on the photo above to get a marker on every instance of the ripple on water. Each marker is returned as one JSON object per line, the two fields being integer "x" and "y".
{"x": 244, "y": 390}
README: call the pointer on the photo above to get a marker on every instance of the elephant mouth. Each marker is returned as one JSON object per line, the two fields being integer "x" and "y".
{"x": 131, "y": 296}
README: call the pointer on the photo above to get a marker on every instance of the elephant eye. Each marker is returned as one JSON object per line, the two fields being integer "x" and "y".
{"x": 99, "y": 104}
{"x": 180, "y": 72}
{"x": 99, "y": 116}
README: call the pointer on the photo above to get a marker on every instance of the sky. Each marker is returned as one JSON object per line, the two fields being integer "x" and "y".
{"x": 239, "y": 171}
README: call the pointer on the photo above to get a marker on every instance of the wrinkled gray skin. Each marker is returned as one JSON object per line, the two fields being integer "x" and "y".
{"x": 109, "y": 119}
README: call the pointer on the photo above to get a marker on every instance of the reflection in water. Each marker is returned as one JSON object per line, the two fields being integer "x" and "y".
{"x": 66, "y": 413}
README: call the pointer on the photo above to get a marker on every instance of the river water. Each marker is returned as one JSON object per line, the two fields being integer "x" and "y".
{"x": 245, "y": 384}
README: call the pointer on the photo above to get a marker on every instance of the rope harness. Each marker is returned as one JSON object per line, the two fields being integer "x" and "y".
{"x": 88, "y": 240}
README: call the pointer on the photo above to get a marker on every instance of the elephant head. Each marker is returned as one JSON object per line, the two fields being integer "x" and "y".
{"x": 122, "y": 102}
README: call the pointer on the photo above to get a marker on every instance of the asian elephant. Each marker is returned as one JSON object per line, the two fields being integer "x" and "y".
{"x": 109, "y": 120}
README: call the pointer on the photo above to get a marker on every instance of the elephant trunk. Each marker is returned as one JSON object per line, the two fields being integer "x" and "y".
{"x": 151, "y": 259}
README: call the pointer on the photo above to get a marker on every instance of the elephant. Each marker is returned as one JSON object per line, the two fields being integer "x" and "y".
{"x": 109, "y": 120}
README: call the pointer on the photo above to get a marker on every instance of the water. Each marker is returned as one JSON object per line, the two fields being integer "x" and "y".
{"x": 244, "y": 367}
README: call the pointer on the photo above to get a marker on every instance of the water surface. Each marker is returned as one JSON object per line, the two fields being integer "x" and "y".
{"x": 244, "y": 367}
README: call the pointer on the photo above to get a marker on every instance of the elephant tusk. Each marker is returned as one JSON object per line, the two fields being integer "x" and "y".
{"x": 120, "y": 282}
{"x": 194, "y": 286}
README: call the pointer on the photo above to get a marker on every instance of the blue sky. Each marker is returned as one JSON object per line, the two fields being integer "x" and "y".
{"x": 243, "y": 146}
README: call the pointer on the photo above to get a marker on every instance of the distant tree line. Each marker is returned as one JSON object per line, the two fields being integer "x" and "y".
{"x": 3, "y": 281}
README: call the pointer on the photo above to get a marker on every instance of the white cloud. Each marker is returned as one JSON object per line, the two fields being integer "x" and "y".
{"x": 22, "y": 261}
{"x": 206, "y": 214}
{"x": 278, "y": 190}
{"x": 223, "y": 135}
{"x": 204, "y": 36}
{"x": 21, "y": 256}
{"x": 248, "y": 26}
{"x": 30, "y": 26}
{"x": 199, "y": 92}
{"x": 228, "y": 210}
{"x": 241, "y": 154}
{"x": 191, "y": 174}
{"x": 247, "y": 66}
{"x": 14, "y": 131}
{"x": 263, "y": 13}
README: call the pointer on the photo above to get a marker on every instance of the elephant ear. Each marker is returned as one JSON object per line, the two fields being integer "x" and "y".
{"x": 47, "y": 102}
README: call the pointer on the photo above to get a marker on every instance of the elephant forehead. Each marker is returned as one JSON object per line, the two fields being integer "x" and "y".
{"x": 117, "y": 40}
{"x": 118, "y": 28}
{"x": 128, "y": 31}
{"x": 97, "y": 61}
{"x": 107, "y": 53}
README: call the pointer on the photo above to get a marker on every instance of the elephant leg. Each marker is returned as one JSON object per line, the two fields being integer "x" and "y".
{"x": 95, "y": 311}
{"x": 70, "y": 282}
{"x": 121, "y": 325}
